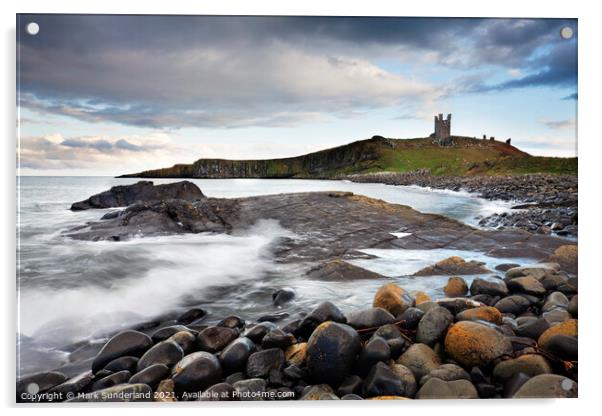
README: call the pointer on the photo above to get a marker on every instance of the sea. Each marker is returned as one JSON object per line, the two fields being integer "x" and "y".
{"x": 70, "y": 291}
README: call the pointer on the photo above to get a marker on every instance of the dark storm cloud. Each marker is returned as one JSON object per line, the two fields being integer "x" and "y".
{"x": 180, "y": 71}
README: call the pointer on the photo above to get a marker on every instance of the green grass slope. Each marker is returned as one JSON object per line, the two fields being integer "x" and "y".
{"x": 468, "y": 156}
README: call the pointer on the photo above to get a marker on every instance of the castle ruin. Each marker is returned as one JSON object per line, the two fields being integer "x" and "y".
{"x": 443, "y": 130}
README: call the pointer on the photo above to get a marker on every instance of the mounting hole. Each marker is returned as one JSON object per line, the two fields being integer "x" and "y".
{"x": 566, "y": 32}
{"x": 32, "y": 28}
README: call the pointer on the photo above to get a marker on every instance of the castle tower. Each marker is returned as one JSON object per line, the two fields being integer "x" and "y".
{"x": 443, "y": 130}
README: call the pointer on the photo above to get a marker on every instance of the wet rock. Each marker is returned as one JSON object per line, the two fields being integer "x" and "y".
{"x": 165, "y": 391}
{"x": 514, "y": 304}
{"x": 185, "y": 340}
{"x": 410, "y": 318}
{"x": 567, "y": 328}
{"x": 293, "y": 372}
{"x": 191, "y": 315}
{"x": 555, "y": 300}
{"x": 122, "y": 363}
{"x": 338, "y": 270}
{"x": 151, "y": 375}
{"x": 296, "y": 354}
{"x": 331, "y": 352}
{"x": 563, "y": 346}
{"x": 278, "y": 339}
{"x": 121, "y": 393}
{"x": 547, "y": 385}
{"x": 393, "y": 299}
{"x": 370, "y": 318}
{"x": 529, "y": 364}
{"x": 455, "y": 287}
{"x": 566, "y": 256}
{"x": 164, "y": 333}
{"x": 483, "y": 313}
{"x": 532, "y": 328}
{"x": 382, "y": 381}
{"x": 475, "y": 344}
{"x": 219, "y": 392}
{"x": 446, "y": 372}
{"x": 506, "y": 266}
{"x": 114, "y": 379}
{"x": 538, "y": 271}
{"x": 405, "y": 375}
{"x": 573, "y": 306}
{"x": 420, "y": 359}
{"x": 257, "y": 332}
{"x": 351, "y": 385}
{"x": 495, "y": 287}
{"x": 165, "y": 352}
{"x": 143, "y": 191}
{"x": 374, "y": 351}
{"x": 319, "y": 392}
{"x": 420, "y": 297}
{"x": 132, "y": 343}
{"x": 433, "y": 325}
{"x": 351, "y": 397}
{"x": 392, "y": 334}
{"x": 261, "y": 363}
{"x": 556, "y": 316}
{"x": 215, "y": 338}
{"x": 454, "y": 266}
{"x": 528, "y": 285}
{"x": 196, "y": 372}
{"x": 73, "y": 385}
{"x": 232, "y": 321}
{"x": 551, "y": 282}
{"x": 514, "y": 384}
{"x": 250, "y": 389}
{"x": 325, "y": 311}
{"x": 233, "y": 378}
{"x": 282, "y": 297}
{"x": 436, "y": 388}
{"x": 234, "y": 357}
{"x": 457, "y": 305}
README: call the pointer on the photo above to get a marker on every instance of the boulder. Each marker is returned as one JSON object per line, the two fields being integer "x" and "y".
{"x": 563, "y": 346}
{"x": 555, "y": 300}
{"x": 132, "y": 343}
{"x": 382, "y": 381}
{"x": 74, "y": 385}
{"x": 318, "y": 392}
{"x": 325, "y": 311}
{"x": 514, "y": 304}
{"x": 151, "y": 375}
{"x": 455, "y": 287}
{"x": 566, "y": 256}
{"x": 446, "y": 372}
{"x": 567, "y": 328}
{"x": 234, "y": 357}
{"x": 475, "y": 344}
{"x": 191, "y": 315}
{"x": 528, "y": 364}
{"x": 392, "y": 298}
{"x": 165, "y": 352}
{"x": 331, "y": 352}
{"x": 165, "y": 391}
{"x": 196, "y": 372}
{"x": 277, "y": 338}
{"x": 573, "y": 306}
{"x": 411, "y": 317}
{"x": 457, "y": 305}
{"x": 185, "y": 340}
{"x": 495, "y": 287}
{"x": 436, "y": 388}
{"x": 143, "y": 191}
{"x": 261, "y": 363}
{"x": 122, "y": 363}
{"x": 408, "y": 381}
{"x": 38, "y": 383}
{"x": 351, "y": 385}
{"x": 296, "y": 354}
{"x": 483, "y": 313}
{"x": 232, "y": 321}
{"x": 532, "y": 328}
{"x": 370, "y": 318}
{"x": 250, "y": 389}
{"x": 282, "y": 296}
{"x": 114, "y": 379}
{"x": 538, "y": 271}
{"x": 164, "y": 333}
{"x": 215, "y": 338}
{"x": 433, "y": 325}
{"x": 547, "y": 386}
{"x": 420, "y": 359}
{"x": 454, "y": 266}
{"x": 526, "y": 284}
{"x": 375, "y": 350}
{"x": 421, "y": 297}
{"x": 257, "y": 332}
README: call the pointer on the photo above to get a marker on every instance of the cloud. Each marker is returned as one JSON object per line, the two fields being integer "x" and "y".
{"x": 559, "y": 124}
{"x": 231, "y": 72}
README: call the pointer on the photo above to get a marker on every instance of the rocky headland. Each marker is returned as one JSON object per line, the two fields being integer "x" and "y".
{"x": 511, "y": 333}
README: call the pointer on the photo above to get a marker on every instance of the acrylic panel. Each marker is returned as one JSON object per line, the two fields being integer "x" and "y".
{"x": 296, "y": 208}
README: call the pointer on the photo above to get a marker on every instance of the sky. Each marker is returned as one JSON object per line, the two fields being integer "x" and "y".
{"x": 107, "y": 94}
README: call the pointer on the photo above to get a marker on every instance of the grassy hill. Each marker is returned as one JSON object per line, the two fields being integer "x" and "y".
{"x": 468, "y": 156}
